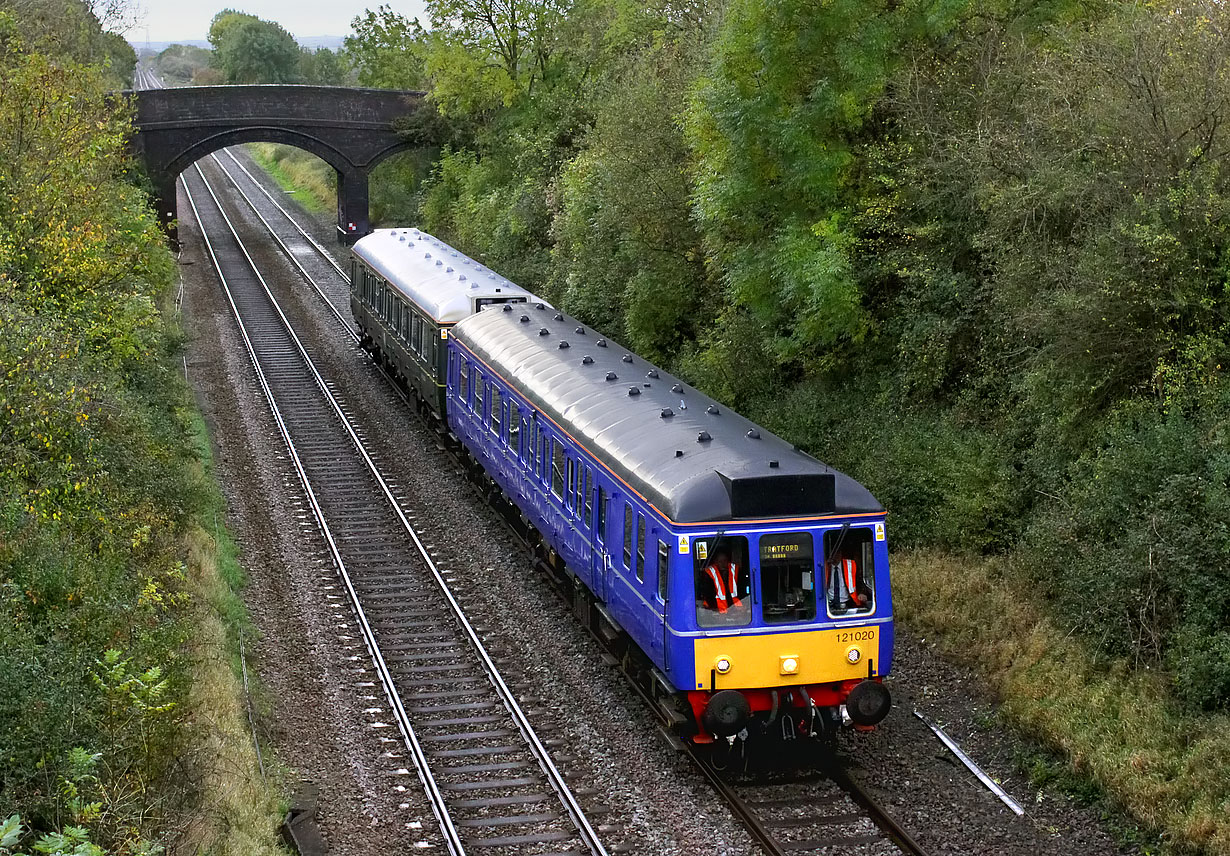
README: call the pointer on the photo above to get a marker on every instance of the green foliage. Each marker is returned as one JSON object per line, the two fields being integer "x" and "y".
{"x": 94, "y": 490}
{"x": 387, "y": 50}
{"x": 180, "y": 65}
{"x": 322, "y": 67}
{"x": 248, "y": 49}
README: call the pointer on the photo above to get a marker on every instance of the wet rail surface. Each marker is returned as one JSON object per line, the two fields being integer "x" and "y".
{"x": 491, "y": 782}
{"x": 811, "y": 812}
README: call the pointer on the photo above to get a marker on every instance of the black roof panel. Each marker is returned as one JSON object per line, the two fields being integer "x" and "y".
{"x": 685, "y": 453}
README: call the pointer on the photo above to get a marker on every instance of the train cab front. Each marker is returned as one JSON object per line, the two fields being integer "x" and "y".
{"x": 792, "y": 633}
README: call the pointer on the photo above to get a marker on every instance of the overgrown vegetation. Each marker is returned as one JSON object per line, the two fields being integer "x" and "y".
{"x": 313, "y": 181}
{"x": 100, "y": 489}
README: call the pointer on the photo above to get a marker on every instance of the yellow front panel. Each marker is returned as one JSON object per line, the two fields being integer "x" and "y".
{"x": 756, "y": 661}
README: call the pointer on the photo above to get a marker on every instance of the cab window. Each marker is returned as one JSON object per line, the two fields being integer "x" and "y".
{"x": 850, "y": 575}
{"x": 723, "y": 581}
{"x": 787, "y": 577}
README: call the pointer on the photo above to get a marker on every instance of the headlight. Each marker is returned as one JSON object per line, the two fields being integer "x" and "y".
{"x": 853, "y": 655}
{"x": 790, "y": 665}
{"x": 723, "y": 665}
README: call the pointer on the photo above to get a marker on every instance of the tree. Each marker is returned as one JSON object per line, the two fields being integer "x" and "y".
{"x": 251, "y": 50}
{"x": 387, "y": 50}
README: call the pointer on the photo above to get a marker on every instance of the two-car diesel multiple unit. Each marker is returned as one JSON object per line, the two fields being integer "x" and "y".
{"x": 744, "y": 582}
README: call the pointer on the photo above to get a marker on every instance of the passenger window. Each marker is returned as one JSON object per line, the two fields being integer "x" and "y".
{"x": 601, "y": 530}
{"x": 557, "y": 469}
{"x": 496, "y": 404}
{"x": 640, "y": 548}
{"x": 572, "y": 483}
{"x": 664, "y": 561}
{"x": 514, "y": 428}
{"x": 478, "y": 396}
{"x": 587, "y": 493}
{"x": 787, "y": 583}
{"x": 463, "y": 386}
{"x": 627, "y": 536}
{"x": 723, "y": 582}
{"x": 850, "y": 578}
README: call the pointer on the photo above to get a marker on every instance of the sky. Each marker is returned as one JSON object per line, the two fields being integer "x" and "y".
{"x": 184, "y": 20}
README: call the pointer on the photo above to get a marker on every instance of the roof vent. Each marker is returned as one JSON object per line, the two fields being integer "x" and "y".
{"x": 525, "y": 319}
{"x": 544, "y": 332}
{"x": 426, "y": 255}
{"x": 601, "y": 343}
{"x": 580, "y": 331}
{"x": 651, "y": 373}
{"x": 627, "y": 358}
{"x": 587, "y": 360}
{"x": 772, "y": 465}
{"x": 753, "y": 434}
{"x": 539, "y": 306}
{"x": 507, "y": 308}
{"x": 559, "y": 316}
{"x": 677, "y": 388}
{"x": 461, "y": 278}
{"x": 703, "y": 437}
{"x": 632, "y": 390}
{"x": 712, "y": 410}
{"x": 679, "y": 453}
{"x": 666, "y": 413}
{"x": 612, "y": 376}
{"x": 439, "y": 263}
{"x": 563, "y": 346}
{"x": 402, "y": 239}
{"x": 447, "y": 269}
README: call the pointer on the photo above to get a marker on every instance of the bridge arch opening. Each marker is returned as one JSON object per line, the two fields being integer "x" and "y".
{"x": 350, "y": 129}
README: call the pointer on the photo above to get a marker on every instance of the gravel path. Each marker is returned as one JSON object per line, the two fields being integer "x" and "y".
{"x": 314, "y": 673}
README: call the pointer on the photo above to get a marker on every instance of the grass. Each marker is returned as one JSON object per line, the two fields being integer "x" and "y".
{"x": 1115, "y": 725}
{"x": 313, "y": 181}
{"x": 242, "y": 805}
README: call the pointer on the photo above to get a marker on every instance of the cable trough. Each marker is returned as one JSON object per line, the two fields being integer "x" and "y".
{"x": 487, "y": 775}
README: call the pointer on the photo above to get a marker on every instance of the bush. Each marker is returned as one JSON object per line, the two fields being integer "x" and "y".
{"x": 1134, "y": 555}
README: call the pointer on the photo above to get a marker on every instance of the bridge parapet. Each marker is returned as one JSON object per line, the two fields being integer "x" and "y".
{"x": 350, "y": 129}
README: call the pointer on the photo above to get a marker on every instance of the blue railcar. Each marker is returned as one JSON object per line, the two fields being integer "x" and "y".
{"x": 749, "y": 580}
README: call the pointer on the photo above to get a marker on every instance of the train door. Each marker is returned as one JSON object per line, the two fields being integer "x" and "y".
{"x": 664, "y": 599}
{"x": 603, "y": 540}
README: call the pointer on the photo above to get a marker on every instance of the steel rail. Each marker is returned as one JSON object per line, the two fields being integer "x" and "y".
{"x": 538, "y": 749}
{"x": 294, "y": 259}
{"x": 746, "y": 813}
{"x": 435, "y": 797}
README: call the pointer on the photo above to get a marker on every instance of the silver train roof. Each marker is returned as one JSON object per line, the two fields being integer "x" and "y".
{"x": 685, "y": 453}
{"x": 439, "y": 279}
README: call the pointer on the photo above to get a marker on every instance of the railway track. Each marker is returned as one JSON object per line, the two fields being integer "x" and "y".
{"x": 817, "y": 811}
{"x": 491, "y": 783}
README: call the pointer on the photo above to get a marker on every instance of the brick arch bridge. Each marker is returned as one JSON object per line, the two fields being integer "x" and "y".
{"x": 352, "y": 130}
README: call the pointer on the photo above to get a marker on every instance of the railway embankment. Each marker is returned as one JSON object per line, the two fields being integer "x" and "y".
{"x": 1117, "y": 731}
{"x": 122, "y": 720}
